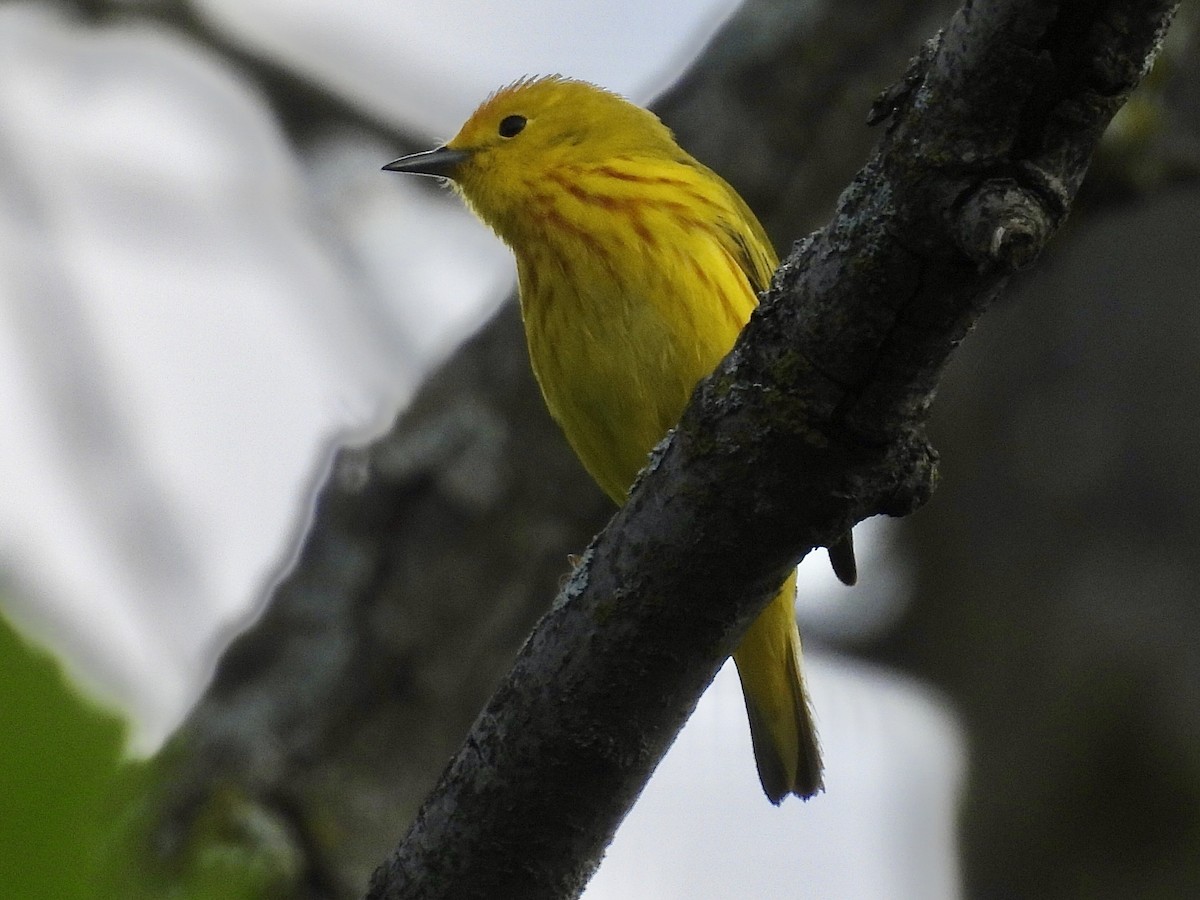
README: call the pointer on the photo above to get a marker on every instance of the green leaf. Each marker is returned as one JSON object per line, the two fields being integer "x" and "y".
{"x": 58, "y": 757}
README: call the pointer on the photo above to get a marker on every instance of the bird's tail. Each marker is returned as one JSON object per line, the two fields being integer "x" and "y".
{"x": 781, "y": 726}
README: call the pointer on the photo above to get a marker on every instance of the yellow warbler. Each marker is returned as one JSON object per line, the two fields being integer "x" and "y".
{"x": 638, "y": 266}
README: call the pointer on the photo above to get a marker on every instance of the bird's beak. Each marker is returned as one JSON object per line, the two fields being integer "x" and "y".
{"x": 441, "y": 162}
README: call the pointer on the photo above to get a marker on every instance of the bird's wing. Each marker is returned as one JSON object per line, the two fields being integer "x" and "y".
{"x": 747, "y": 241}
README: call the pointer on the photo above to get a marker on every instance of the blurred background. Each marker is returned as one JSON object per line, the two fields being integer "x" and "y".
{"x": 281, "y": 501}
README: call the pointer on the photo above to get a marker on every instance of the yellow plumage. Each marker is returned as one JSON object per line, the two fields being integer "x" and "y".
{"x": 638, "y": 267}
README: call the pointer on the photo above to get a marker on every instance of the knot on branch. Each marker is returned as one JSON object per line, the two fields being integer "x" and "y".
{"x": 1003, "y": 223}
{"x": 894, "y": 480}
{"x": 914, "y": 464}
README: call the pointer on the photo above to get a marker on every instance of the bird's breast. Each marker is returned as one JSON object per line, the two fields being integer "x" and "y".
{"x": 618, "y": 338}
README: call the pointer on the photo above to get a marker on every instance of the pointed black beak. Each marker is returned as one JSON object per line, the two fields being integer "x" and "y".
{"x": 442, "y": 162}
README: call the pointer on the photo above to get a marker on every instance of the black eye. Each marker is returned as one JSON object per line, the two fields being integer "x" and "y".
{"x": 511, "y": 126}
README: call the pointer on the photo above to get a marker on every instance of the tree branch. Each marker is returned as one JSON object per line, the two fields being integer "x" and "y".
{"x": 813, "y": 422}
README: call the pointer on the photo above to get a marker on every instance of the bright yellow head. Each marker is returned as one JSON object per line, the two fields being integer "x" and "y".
{"x": 501, "y": 156}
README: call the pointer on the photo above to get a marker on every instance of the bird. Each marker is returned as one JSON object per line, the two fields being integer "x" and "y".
{"x": 637, "y": 268}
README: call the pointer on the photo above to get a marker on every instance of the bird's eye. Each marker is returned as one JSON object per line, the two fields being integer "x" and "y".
{"x": 511, "y": 126}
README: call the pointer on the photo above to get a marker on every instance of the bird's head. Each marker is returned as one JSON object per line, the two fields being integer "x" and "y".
{"x": 505, "y": 157}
